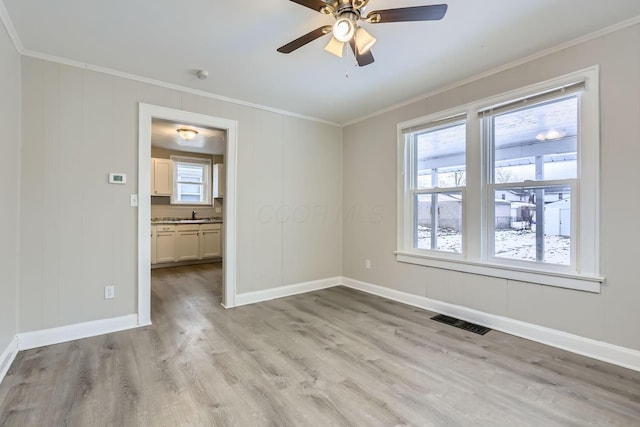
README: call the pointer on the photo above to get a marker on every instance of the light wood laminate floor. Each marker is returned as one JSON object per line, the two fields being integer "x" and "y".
{"x": 332, "y": 357}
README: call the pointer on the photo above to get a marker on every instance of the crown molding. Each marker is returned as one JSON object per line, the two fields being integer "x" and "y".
{"x": 17, "y": 43}
{"x": 13, "y": 35}
{"x": 134, "y": 77}
{"x": 11, "y": 30}
{"x": 587, "y": 37}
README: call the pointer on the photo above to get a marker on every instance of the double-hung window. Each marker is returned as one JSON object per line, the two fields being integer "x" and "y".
{"x": 533, "y": 171}
{"x": 508, "y": 189}
{"x": 436, "y": 183}
{"x": 192, "y": 181}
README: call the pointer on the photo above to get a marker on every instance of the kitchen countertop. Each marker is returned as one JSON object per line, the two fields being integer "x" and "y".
{"x": 168, "y": 220}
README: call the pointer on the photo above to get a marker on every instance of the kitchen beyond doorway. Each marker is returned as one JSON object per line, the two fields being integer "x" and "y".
{"x": 214, "y": 215}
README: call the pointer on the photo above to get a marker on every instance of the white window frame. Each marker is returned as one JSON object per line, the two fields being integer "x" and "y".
{"x": 206, "y": 184}
{"x": 435, "y": 122}
{"x": 436, "y": 191}
{"x": 478, "y": 202}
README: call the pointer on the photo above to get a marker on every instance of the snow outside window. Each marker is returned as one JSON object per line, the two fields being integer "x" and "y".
{"x": 192, "y": 177}
{"x": 506, "y": 186}
{"x": 533, "y": 171}
{"x": 437, "y": 181}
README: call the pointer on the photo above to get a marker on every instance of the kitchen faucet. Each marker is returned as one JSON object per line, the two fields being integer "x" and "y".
{"x": 193, "y": 214}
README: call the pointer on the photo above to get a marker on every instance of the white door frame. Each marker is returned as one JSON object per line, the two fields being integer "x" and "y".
{"x": 148, "y": 112}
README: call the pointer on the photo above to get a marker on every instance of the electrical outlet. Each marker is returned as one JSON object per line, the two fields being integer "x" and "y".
{"x": 133, "y": 200}
{"x": 218, "y": 210}
{"x": 367, "y": 263}
{"x": 109, "y": 292}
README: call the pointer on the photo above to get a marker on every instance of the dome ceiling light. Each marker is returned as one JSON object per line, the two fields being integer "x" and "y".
{"x": 187, "y": 134}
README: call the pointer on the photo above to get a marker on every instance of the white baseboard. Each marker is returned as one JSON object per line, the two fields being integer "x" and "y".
{"x": 7, "y": 357}
{"x": 285, "y": 291}
{"x": 599, "y": 350}
{"x": 29, "y": 340}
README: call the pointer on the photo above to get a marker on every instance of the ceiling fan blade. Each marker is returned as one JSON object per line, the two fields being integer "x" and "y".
{"x": 404, "y": 14}
{"x": 317, "y": 5}
{"x": 362, "y": 59}
{"x": 307, "y": 38}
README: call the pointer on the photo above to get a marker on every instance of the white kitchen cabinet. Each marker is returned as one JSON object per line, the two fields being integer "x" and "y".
{"x": 210, "y": 241}
{"x": 218, "y": 180}
{"x": 188, "y": 242}
{"x": 171, "y": 243}
{"x": 165, "y": 243}
{"x": 153, "y": 244}
{"x": 161, "y": 177}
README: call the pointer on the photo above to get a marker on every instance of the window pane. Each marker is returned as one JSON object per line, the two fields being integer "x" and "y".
{"x": 192, "y": 181}
{"x": 442, "y": 212}
{"x": 537, "y": 143}
{"x": 533, "y": 224}
{"x": 191, "y": 193}
{"x": 190, "y": 172}
{"x": 440, "y": 157}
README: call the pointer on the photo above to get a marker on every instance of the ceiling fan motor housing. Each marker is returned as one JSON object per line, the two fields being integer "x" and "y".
{"x": 347, "y": 6}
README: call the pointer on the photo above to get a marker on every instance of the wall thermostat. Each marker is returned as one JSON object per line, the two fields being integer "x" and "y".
{"x": 117, "y": 178}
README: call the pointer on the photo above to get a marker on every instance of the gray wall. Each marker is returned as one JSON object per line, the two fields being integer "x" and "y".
{"x": 9, "y": 184}
{"x": 370, "y": 188}
{"x": 78, "y": 233}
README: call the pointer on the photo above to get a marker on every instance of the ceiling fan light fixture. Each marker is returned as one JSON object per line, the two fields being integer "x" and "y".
{"x": 334, "y": 46}
{"x": 187, "y": 134}
{"x": 344, "y": 29}
{"x": 364, "y": 40}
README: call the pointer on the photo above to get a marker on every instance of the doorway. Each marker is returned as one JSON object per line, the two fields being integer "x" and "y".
{"x": 147, "y": 113}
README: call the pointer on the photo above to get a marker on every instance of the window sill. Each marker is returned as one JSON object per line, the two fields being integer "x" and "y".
{"x": 560, "y": 280}
{"x": 177, "y": 203}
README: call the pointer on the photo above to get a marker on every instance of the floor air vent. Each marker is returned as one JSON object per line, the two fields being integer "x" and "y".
{"x": 471, "y": 327}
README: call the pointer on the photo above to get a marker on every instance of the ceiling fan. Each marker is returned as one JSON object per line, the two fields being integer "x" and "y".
{"x": 347, "y": 13}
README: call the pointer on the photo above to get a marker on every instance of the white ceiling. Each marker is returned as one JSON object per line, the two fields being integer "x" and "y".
{"x": 164, "y": 134}
{"x": 236, "y": 41}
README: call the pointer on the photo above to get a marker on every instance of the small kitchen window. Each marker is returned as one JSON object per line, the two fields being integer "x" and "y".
{"x": 191, "y": 181}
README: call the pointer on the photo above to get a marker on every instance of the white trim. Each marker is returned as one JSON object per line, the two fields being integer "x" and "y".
{"x": 29, "y": 340}
{"x": 13, "y": 34}
{"x": 11, "y": 29}
{"x": 185, "y": 89}
{"x": 599, "y": 350}
{"x": 7, "y": 357}
{"x": 229, "y": 227}
{"x": 146, "y": 114}
{"x": 9, "y": 354}
{"x": 285, "y": 291}
{"x": 60, "y": 60}
{"x": 505, "y": 67}
{"x": 549, "y": 278}
{"x": 584, "y": 272}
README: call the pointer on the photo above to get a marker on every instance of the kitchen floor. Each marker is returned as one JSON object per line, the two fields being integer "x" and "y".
{"x": 331, "y": 357}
